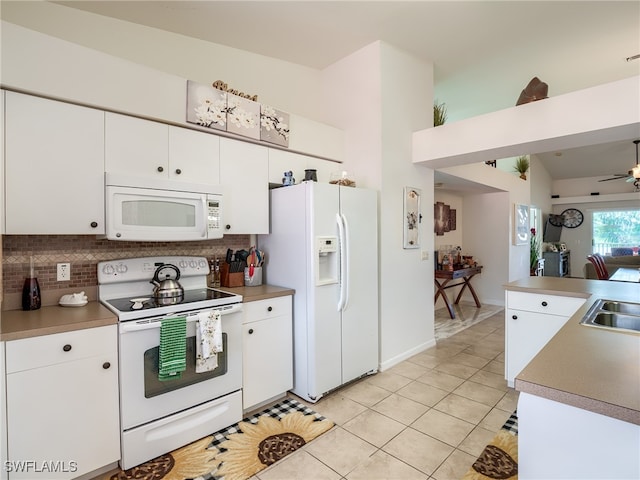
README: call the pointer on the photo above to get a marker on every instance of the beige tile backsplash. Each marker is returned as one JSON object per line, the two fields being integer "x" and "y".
{"x": 84, "y": 252}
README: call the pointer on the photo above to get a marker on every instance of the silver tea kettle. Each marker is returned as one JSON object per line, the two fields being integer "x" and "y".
{"x": 168, "y": 289}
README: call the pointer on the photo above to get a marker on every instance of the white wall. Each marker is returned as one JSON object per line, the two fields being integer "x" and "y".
{"x": 407, "y": 281}
{"x": 488, "y": 236}
{"x": 541, "y": 186}
{"x": 45, "y": 65}
{"x": 577, "y": 187}
{"x": 286, "y": 86}
{"x": 377, "y": 94}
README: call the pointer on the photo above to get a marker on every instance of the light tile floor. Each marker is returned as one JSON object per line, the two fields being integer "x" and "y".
{"x": 428, "y": 417}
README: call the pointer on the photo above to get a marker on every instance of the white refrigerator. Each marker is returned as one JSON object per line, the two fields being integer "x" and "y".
{"x": 324, "y": 244}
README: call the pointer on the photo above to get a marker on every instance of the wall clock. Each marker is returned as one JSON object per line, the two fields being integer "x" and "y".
{"x": 572, "y": 218}
{"x": 556, "y": 220}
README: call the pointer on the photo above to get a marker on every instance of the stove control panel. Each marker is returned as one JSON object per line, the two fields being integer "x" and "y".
{"x": 143, "y": 269}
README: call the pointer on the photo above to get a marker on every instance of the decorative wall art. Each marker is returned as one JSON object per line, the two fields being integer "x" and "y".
{"x": 521, "y": 224}
{"x": 452, "y": 219}
{"x": 243, "y": 116}
{"x": 221, "y": 108}
{"x": 412, "y": 217}
{"x": 444, "y": 218}
{"x": 274, "y": 126}
{"x": 206, "y": 106}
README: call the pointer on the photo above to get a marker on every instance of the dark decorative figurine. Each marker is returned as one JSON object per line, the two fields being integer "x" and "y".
{"x": 535, "y": 90}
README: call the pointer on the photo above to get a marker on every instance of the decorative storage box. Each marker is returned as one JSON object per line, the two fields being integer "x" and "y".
{"x": 229, "y": 279}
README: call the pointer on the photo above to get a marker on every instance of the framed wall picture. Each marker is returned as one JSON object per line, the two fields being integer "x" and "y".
{"x": 438, "y": 218}
{"x": 412, "y": 217}
{"x": 521, "y": 229}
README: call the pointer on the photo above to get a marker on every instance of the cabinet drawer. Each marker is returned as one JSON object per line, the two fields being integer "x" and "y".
{"x": 47, "y": 350}
{"x": 543, "y": 303}
{"x": 262, "y": 309}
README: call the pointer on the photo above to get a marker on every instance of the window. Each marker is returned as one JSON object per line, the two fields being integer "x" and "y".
{"x": 616, "y": 229}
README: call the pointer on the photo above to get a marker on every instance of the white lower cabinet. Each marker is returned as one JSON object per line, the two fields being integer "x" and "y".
{"x": 267, "y": 346}
{"x": 531, "y": 320}
{"x": 62, "y": 404}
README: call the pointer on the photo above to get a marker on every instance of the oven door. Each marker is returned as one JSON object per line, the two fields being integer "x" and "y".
{"x": 144, "y": 398}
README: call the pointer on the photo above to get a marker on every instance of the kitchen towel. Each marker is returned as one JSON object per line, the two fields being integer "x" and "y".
{"x": 173, "y": 348}
{"x": 208, "y": 340}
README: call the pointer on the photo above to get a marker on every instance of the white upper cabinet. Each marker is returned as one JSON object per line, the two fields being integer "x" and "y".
{"x": 136, "y": 147}
{"x": 144, "y": 148}
{"x": 54, "y": 167}
{"x": 194, "y": 156}
{"x": 244, "y": 173}
{"x": 1, "y": 167}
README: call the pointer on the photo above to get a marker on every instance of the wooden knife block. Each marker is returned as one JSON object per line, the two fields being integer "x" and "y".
{"x": 228, "y": 279}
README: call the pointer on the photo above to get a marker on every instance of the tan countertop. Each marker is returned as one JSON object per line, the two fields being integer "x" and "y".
{"x": 261, "y": 292}
{"x": 17, "y": 324}
{"x": 586, "y": 367}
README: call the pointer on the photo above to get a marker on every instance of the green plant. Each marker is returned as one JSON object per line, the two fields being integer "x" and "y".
{"x": 522, "y": 166}
{"x": 534, "y": 255}
{"x": 439, "y": 113}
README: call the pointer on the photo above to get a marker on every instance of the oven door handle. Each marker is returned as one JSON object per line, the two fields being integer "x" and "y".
{"x": 151, "y": 323}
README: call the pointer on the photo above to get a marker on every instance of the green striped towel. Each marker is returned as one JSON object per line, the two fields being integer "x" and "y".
{"x": 173, "y": 348}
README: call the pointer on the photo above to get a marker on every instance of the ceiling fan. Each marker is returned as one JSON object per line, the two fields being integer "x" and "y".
{"x": 632, "y": 175}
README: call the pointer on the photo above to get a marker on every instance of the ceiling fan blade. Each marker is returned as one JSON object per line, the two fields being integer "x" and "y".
{"x": 616, "y": 177}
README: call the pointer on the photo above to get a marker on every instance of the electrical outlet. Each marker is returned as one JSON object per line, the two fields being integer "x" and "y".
{"x": 425, "y": 255}
{"x": 64, "y": 272}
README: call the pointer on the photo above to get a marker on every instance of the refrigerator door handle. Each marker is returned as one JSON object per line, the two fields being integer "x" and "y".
{"x": 343, "y": 235}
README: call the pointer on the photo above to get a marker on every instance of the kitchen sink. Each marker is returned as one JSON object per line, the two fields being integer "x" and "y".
{"x": 622, "y": 307}
{"x": 613, "y": 315}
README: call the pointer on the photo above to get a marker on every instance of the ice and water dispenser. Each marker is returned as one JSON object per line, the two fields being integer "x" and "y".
{"x": 327, "y": 259}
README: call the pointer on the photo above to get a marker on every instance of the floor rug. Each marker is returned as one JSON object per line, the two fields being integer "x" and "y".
{"x": 499, "y": 459}
{"x": 239, "y": 451}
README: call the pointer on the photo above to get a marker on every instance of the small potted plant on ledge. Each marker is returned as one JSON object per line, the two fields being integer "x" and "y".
{"x": 439, "y": 113}
{"x": 522, "y": 166}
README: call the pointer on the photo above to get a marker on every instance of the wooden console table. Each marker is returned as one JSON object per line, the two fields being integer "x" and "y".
{"x": 466, "y": 274}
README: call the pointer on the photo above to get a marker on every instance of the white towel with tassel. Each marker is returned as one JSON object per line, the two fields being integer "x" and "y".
{"x": 208, "y": 340}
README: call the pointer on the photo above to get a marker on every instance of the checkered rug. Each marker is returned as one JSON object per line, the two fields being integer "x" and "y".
{"x": 277, "y": 411}
{"x": 499, "y": 459}
{"x": 239, "y": 451}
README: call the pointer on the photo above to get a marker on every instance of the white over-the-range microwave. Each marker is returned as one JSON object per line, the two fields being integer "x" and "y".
{"x": 158, "y": 210}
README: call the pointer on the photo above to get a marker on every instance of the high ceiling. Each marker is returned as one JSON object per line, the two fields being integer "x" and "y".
{"x": 483, "y": 52}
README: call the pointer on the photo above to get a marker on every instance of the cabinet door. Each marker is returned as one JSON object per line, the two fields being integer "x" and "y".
{"x": 527, "y": 333}
{"x": 54, "y": 167}
{"x": 268, "y": 359}
{"x": 244, "y": 174}
{"x": 1, "y": 183}
{"x": 136, "y": 147}
{"x": 194, "y": 156}
{"x": 66, "y": 412}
